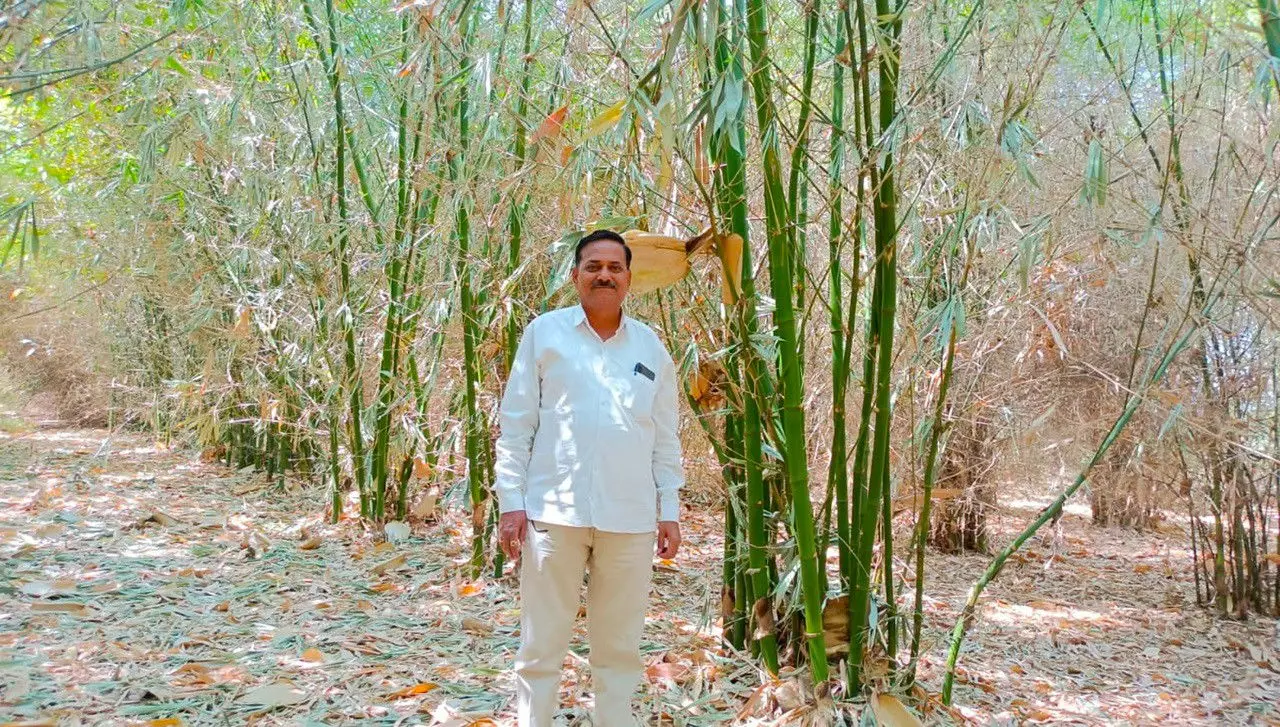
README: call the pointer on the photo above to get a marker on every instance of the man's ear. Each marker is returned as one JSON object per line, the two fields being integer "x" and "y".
{"x": 573, "y": 274}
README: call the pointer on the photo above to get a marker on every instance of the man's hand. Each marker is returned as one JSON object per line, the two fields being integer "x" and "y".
{"x": 668, "y": 539}
{"x": 511, "y": 529}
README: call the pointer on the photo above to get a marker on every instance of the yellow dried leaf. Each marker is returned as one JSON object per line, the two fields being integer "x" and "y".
{"x": 471, "y": 589}
{"x": 698, "y": 386}
{"x": 606, "y": 120}
{"x": 389, "y": 565}
{"x": 313, "y": 655}
{"x": 73, "y": 609}
{"x": 242, "y": 321}
{"x": 421, "y": 469}
{"x": 891, "y": 713}
{"x": 729, "y": 249}
{"x": 311, "y": 543}
{"x": 657, "y": 261}
{"x": 165, "y": 722}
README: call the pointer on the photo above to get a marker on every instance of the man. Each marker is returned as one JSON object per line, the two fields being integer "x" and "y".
{"x": 588, "y": 474}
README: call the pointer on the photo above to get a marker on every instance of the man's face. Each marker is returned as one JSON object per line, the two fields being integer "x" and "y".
{"x": 602, "y": 277}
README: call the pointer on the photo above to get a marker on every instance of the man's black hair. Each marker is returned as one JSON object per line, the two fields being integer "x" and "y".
{"x": 597, "y": 236}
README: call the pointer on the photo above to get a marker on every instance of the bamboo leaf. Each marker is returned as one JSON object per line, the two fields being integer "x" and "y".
{"x": 651, "y": 9}
{"x": 606, "y": 120}
{"x": 551, "y": 126}
{"x": 1095, "y": 176}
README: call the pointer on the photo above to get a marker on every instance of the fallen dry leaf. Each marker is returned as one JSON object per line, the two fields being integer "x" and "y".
{"x": 890, "y": 712}
{"x": 413, "y": 691}
{"x": 388, "y": 565}
{"x": 159, "y": 518}
{"x": 274, "y": 695}
{"x": 664, "y": 671}
{"x": 74, "y": 609}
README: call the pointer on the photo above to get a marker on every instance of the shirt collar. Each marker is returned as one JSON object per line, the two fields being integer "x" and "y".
{"x": 580, "y": 318}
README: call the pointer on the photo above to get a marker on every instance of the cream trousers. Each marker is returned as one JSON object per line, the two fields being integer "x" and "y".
{"x": 551, "y": 570}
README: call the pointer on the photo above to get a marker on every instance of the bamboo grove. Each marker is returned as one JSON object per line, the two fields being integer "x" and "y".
{"x": 902, "y": 229}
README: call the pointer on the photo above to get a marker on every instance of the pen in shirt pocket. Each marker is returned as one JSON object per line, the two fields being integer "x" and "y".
{"x": 643, "y": 371}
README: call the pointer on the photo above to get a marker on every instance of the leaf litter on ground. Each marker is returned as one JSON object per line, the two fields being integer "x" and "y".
{"x": 147, "y": 587}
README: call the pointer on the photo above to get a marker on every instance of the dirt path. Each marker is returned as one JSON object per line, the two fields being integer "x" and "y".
{"x": 141, "y": 585}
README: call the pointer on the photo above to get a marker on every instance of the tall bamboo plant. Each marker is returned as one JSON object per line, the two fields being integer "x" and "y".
{"x": 782, "y": 272}
{"x": 730, "y": 142}
{"x": 878, "y": 370}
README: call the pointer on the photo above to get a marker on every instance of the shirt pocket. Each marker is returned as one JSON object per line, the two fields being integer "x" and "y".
{"x": 639, "y": 396}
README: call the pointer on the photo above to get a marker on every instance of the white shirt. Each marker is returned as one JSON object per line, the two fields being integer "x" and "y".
{"x": 588, "y": 427}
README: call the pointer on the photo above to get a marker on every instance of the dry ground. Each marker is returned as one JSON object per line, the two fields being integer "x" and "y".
{"x": 140, "y": 585}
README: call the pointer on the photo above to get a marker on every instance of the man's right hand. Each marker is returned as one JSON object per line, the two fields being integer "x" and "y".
{"x": 511, "y": 529}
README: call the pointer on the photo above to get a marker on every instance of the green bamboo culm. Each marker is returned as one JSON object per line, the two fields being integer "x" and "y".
{"x": 467, "y": 306}
{"x": 346, "y": 312}
{"x": 880, "y": 335}
{"x": 936, "y": 430}
{"x": 838, "y": 477}
{"x": 729, "y": 144}
{"x": 515, "y": 219}
{"x": 798, "y": 178}
{"x": 388, "y": 367}
{"x": 781, "y": 267}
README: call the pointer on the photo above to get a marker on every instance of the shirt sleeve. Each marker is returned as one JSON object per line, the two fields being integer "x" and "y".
{"x": 668, "y": 473}
{"x": 518, "y": 423}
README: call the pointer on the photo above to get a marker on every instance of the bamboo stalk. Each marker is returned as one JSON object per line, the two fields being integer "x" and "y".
{"x": 467, "y": 306}
{"x": 939, "y": 426}
{"x": 388, "y": 368}
{"x": 841, "y": 341}
{"x": 730, "y": 145}
{"x": 880, "y": 333}
{"x": 780, "y": 271}
{"x": 346, "y": 312}
{"x": 798, "y": 182}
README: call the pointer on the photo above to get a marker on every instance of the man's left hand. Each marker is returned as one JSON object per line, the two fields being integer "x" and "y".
{"x": 668, "y": 539}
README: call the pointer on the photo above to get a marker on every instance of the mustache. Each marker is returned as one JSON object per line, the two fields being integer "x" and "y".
{"x": 605, "y": 285}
